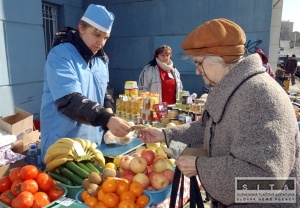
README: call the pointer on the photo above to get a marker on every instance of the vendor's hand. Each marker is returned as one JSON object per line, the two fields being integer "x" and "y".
{"x": 151, "y": 135}
{"x": 118, "y": 126}
{"x": 187, "y": 165}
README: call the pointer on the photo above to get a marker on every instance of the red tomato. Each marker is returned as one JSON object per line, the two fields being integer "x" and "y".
{"x": 5, "y": 184}
{"x": 40, "y": 199}
{"x": 24, "y": 200}
{"x": 6, "y": 197}
{"x": 30, "y": 185}
{"x": 14, "y": 174}
{"x": 55, "y": 192}
{"x": 44, "y": 181}
{"x": 16, "y": 187}
{"x": 29, "y": 172}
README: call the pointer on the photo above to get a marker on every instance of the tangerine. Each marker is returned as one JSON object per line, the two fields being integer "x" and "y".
{"x": 123, "y": 185}
{"x": 127, "y": 195}
{"x": 100, "y": 205}
{"x": 136, "y": 188}
{"x": 127, "y": 203}
{"x": 109, "y": 185}
{"x": 142, "y": 201}
{"x": 90, "y": 201}
{"x": 100, "y": 194}
{"x": 111, "y": 200}
{"x": 84, "y": 195}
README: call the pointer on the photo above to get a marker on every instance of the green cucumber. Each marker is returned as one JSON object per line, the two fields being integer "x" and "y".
{"x": 84, "y": 167}
{"x": 76, "y": 169}
{"x": 59, "y": 178}
{"x": 69, "y": 174}
{"x": 91, "y": 166}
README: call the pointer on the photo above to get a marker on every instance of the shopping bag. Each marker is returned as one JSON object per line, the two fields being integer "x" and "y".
{"x": 178, "y": 184}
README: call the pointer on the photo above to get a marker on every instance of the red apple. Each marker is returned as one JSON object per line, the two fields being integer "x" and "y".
{"x": 159, "y": 181}
{"x": 138, "y": 165}
{"x": 149, "y": 168}
{"x": 127, "y": 174}
{"x": 150, "y": 188}
{"x": 149, "y": 155}
{"x": 136, "y": 154}
{"x": 170, "y": 174}
{"x": 124, "y": 162}
{"x": 160, "y": 165}
{"x": 142, "y": 179}
{"x": 150, "y": 175}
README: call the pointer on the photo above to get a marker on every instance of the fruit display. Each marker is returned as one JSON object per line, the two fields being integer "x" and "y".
{"x": 76, "y": 150}
{"x": 106, "y": 190}
{"x": 152, "y": 170}
{"x": 28, "y": 187}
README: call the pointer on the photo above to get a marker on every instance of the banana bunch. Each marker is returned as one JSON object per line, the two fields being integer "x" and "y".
{"x": 64, "y": 150}
{"x": 92, "y": 152}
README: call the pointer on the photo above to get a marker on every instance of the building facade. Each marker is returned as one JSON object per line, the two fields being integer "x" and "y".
{"x": 140, "y": 26}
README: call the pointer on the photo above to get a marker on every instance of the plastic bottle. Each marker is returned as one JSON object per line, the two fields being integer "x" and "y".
{"x": 39, "y": 159}
{"x": 32, "y": 155}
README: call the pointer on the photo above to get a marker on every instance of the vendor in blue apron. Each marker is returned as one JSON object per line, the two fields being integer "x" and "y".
{"x": 76, "y": 76}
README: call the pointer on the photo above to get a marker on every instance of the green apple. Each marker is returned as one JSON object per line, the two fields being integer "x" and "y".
{"x": 153, "y": 146}
{"x": 161, "y": 153}
{"x": 140, "y": 149}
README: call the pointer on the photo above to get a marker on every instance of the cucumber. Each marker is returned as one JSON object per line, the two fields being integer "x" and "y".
{"x": 69, "y": 174}
{"x": 91, "y": 166}
{"x": 84, "y": 167}
{"x": 76, "y": 169}
{"x": 60, "y": 178}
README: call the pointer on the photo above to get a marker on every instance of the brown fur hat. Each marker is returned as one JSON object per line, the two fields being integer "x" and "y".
{"x": 219, "y": 37}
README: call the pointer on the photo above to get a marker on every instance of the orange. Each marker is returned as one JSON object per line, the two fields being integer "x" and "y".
{"x": 90, "y": 201}
{"x": 111, "y": 200}
{"x": 84, "y": 195}
{"x": 142, "y": 201}
{"x": 127, "y": 203}
{"x": 136, "y": 188}
{"x": 123, "y": 185}
{"x": 127, "y": 195}
{"x": 100, "y": 194}
{"x": 109, "y": 185}
{"x": 100, "y": 205}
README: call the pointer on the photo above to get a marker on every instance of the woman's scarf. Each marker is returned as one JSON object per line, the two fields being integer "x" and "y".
{"x": 165, "y": 67}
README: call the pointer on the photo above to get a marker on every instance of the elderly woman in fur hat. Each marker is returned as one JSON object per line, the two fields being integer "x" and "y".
{"x": 249, "y": 127}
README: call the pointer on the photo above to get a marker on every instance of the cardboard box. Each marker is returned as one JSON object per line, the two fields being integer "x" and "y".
{"x": 21, "y": 146}
{"x": 21, "y": 125}
{"x": 18, "y": 124}
{"x": 4, "y": 170}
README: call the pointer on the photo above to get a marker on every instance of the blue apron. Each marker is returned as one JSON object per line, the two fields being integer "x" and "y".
{"x": 66, "y": 72}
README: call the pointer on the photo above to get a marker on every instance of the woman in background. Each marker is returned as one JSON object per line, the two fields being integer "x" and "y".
{"x": 161, "y": 76}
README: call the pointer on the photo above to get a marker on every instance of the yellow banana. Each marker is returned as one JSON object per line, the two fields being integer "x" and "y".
{"x": 56, "y": 163}
{"x": 66, "y": 140}
{"x": 81, "y": 141}
{"x": 52, "y": 153}
{"x": 100, "y": 160}
{"x": 88, "y": 144}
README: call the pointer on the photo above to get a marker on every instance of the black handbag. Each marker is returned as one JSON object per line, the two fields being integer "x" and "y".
{"x": 195, "y": 194}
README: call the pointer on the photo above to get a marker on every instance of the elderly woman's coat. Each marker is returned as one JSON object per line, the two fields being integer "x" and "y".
{"x": 250, "y": 131}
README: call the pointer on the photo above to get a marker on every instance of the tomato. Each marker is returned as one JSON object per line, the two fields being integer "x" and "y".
{"x": 24, "y": 200}
{"x": 6, "y": 197}
{"x": 14, "y": 174}
{"x": 44, "y": 181}
{"x": 29, "y": 172}
{"x": 16, "y": 187}
{"x": 55, "y": 192}
{"x": 30, "y": 185}
{"x": 40, "y": 199}
{"x": 5, "y": 184}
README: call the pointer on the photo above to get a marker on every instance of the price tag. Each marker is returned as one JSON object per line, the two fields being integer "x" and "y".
{"x": 65, "y": 201}
{"x": 78, "y": 148}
